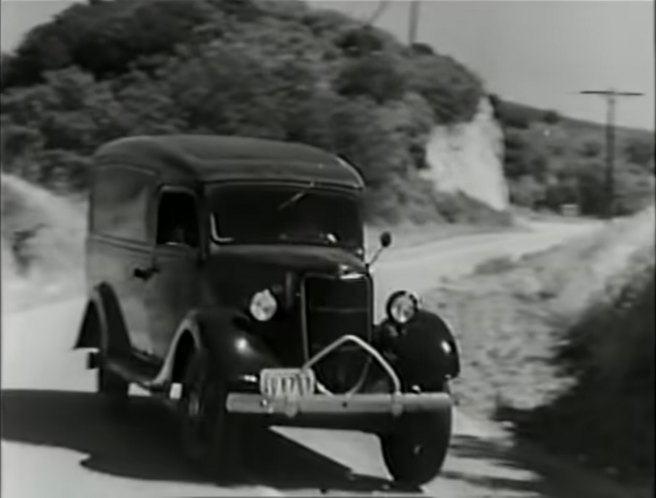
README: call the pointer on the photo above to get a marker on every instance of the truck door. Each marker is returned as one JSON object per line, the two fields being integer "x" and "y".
{"x": 174, "y": 288}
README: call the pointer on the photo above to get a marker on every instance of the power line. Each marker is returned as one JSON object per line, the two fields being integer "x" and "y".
{"x": 611, "y": 97}
{"x": 382, "y": 6}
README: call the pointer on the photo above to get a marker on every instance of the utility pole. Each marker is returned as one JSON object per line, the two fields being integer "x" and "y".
{"x": 611, "y": 97}
{"x": 413, "y": 21}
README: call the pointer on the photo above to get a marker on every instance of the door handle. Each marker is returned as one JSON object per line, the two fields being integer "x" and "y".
{"x": 145, "y": 273}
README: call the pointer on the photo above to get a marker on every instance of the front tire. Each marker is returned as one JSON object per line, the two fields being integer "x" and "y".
{"x": 415, "y": 451}
{"x": 207, "y": 430}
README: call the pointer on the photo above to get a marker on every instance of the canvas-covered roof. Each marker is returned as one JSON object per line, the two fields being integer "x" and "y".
{"x": 209, "y": 158}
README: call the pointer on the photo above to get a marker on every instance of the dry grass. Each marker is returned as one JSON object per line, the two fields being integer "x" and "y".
{"x": 512, "y": 321}
{"x": 412, "y": 234}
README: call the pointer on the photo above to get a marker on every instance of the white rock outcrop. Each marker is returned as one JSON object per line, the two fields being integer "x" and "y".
{"x": 468, "y": 158}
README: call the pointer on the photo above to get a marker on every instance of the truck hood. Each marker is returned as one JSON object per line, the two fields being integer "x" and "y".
{"x": 299, "y": 259}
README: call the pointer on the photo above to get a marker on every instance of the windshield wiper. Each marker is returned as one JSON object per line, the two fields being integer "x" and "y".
{"x": 295, "y": 197}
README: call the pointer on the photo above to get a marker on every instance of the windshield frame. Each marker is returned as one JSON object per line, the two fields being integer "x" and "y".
{"x": 216, "y": 239}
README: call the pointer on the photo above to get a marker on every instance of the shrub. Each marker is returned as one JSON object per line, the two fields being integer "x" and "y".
{"x": 591, "y": 148}
{"x": 359, "y": 42}
{"x": 640, "y": 151}
{"x": 376, "y": 76}
{"x": 527, "y": 192}
{"x": 452, "y": 92}
{"x": 609, "y": 352}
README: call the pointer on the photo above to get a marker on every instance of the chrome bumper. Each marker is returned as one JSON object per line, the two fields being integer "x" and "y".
{"x": 353, "y": 403}
{"x": 335, "y": 404}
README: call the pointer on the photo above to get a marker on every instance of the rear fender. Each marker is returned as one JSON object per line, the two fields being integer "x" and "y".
{"x": 102, "y": 326}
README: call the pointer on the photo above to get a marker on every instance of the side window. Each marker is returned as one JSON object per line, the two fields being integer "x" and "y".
{"x": 120, "y": 202}
{"x": 177, "y": 220}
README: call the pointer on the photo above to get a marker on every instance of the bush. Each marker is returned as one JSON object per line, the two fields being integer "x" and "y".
{"x": 551, "y": 117}
{"x": 527, "y": 192}
{"x": 640, "y": 151}
{"x": 592, "y": 195}
{"x": 379, "y": 77}
{"x": 591, "y": 149}
{"x": 360, "y": 42}
{"x": 452, "y": 92}
{"x": 609, "y": 352}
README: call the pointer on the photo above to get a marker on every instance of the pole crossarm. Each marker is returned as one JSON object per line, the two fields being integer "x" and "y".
{"x": 611, "y": 93}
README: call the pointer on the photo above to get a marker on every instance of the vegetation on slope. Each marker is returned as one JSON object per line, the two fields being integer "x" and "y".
{"x": 278, "y": 70}
{"x": 607, "y": 415}
{"x": 561, "y": 345}
{"x": 552, "y": 160}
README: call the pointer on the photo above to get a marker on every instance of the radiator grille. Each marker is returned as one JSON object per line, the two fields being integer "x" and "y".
{"x": 335, "y": 307}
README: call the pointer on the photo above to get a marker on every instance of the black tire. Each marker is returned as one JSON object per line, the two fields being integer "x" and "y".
{"x": 415, "y": 451}
{"x": 113, "y": 389}
{"x": 208, "y": 433}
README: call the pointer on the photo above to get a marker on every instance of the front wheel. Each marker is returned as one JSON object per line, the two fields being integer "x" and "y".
{"x": 415, "y": 451}
{"x": 207, "y": 430}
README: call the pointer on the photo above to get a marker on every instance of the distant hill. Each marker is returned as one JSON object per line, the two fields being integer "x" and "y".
{"x": 552, "y": 160}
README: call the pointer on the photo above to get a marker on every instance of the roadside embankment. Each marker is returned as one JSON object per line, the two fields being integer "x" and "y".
{"x": 560, "y": 345}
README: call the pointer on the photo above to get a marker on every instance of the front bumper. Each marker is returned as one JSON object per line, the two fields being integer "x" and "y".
{"x": 350, "y": 410}
{"x": 338, "y": 405}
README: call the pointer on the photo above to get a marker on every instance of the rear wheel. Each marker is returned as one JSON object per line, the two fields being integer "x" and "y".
{"x": 208, "y": 432}
{"x": 415, "y": 451}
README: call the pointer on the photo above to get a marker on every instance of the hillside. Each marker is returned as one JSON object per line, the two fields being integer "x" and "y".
{"x": 278, "y": 70}
{"x": 552, "y": 160}
{"x": 555, "y": 339}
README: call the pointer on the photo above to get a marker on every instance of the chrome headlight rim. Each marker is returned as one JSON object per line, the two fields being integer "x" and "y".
{"x": 398, "y": 315}
{"x": 263, "y": 305}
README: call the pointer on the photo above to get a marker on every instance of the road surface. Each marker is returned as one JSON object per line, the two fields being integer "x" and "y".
{"x": 57, "y": 441}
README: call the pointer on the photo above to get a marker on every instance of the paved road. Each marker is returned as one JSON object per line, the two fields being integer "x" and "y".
{"x": 57, "y": 442}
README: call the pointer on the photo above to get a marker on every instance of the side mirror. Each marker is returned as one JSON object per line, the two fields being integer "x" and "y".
{"x": 385, "y": 241}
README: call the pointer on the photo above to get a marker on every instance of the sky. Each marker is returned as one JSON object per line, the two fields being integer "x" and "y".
{"x": 538, "y": 52}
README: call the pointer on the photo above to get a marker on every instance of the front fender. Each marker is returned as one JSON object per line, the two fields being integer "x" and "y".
{"x": 232, "y": 351}
{"x": 424, "y": 351}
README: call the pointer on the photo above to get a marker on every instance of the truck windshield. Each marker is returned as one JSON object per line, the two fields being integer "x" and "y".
{"x": 294, "y": 215}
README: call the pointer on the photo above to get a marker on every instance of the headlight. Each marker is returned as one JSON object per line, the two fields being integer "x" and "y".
{"x": 263, "y": 305}
{"x": 402, "y": 306}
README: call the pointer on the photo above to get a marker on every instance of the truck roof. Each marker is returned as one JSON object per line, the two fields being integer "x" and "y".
{"x": 212, "y": 158}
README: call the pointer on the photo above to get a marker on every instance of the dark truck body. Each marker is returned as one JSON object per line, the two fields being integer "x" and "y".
{"x": 157, "y": 302}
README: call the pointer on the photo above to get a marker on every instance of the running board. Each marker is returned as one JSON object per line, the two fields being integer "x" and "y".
{"x": 134, "y": 370}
